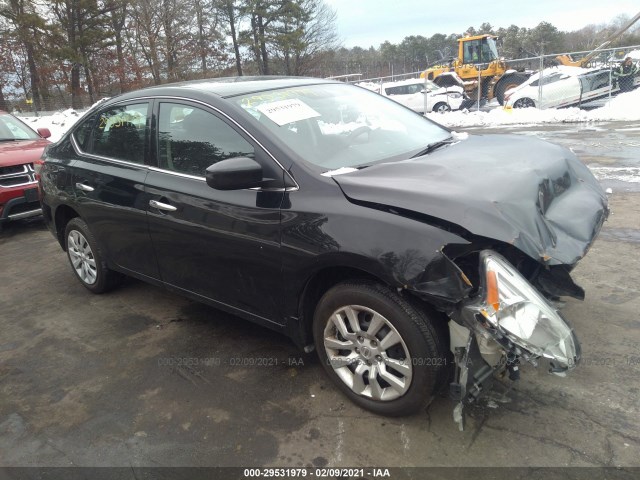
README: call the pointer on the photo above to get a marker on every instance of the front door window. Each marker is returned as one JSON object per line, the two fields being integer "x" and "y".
{"x": 191, "y": 139}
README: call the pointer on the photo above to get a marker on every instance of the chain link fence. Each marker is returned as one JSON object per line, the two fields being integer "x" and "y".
{"x": 580, "y": 79}
{"x": 557, "y": 83}
{"x": 540, "y": 82}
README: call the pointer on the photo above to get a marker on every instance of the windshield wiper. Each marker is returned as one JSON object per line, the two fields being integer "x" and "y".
{"x": 433, "y": 146}
{"x": 8, "y": 139}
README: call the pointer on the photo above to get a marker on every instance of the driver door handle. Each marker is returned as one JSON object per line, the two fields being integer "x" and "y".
{"x": 84, "y": 188}
{"x": 162, "y": 206}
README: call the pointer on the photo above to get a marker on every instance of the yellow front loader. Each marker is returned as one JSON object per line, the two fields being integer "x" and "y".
{"x": 481, "y": 70}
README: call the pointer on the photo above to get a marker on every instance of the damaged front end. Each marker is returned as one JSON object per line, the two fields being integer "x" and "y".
{"x": 507, "y": 321}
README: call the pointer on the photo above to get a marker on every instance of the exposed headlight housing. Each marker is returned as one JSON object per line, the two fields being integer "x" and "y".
{"x": 515, "y": 309}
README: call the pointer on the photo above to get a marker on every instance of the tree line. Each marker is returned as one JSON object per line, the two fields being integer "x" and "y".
{"x": 78, "y": 51}
{"x": 73, "y": 52}
{"x": 416, "y": 52}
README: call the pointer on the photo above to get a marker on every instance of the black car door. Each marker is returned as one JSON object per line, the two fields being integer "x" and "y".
{"x": 223, "y": 246}
{"x": 108, "y": 183}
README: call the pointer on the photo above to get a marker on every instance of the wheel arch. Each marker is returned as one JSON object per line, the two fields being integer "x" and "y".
{"x": 63, "y": 215}
{"x": 318, "y": 283}
{"x": 323, "y": 279}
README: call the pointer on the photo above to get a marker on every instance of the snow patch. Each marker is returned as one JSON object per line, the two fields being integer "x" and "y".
{"x": 59, "y": 122}
{"x": 625, "y": 106}
{"x": 623, "y": 174}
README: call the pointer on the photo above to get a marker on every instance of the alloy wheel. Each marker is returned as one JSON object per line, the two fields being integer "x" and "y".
{"x": 82, "y": 257}
{"x": 524, "y": 103}
{"x": 367, "y": 353}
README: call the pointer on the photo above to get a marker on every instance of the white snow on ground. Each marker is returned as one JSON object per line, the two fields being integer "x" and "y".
{"x": 58, "y": 123}
{"x": 623, "y": 174}
{"x": 625, "y": 106}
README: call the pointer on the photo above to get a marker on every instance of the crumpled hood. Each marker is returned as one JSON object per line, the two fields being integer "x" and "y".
{"x": 520, "y": 190}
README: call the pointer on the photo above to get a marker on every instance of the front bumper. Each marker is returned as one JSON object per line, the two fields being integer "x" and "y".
{"x": 24, "y": 206}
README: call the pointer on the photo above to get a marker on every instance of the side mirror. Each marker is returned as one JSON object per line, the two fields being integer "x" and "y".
{"x": 234, "y": 174}
{"x": 44, "y": 132}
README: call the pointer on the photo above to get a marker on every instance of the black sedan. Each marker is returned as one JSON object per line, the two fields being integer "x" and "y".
{"x": 410, "y": 257}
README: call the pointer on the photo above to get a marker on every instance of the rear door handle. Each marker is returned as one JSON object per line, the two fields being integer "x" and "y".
{"x": 84, "y": 188}
{"x": 162, "y": 206}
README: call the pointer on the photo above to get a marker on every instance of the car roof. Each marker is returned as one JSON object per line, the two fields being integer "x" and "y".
{"x": 565, "y": 70}
{"x": 232, "y": 86}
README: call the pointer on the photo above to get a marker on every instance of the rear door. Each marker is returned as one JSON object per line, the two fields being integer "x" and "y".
{"x": 223, "y": 246}
{"x": 107, "y": 179}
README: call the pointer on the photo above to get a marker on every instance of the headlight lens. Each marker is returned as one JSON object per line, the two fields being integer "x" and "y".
{"x": 514, "y": 306}
{"x": 454, "y": 94}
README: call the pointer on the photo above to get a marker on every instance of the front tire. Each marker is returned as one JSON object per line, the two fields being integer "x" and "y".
{"x": 524, "y": 103}
{"x": 441, "y": 107}
{"x": 86, "y": 260}
{"x": 387, "y": 355}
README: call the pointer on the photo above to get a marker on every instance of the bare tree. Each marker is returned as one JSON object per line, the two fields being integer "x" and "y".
{"x": 118, "y": 11}
{"x": 207, "y": 35}
{"x": 146, "y": 28}
{"x": 315, "y": 27}
{"x": 232, "y": 13}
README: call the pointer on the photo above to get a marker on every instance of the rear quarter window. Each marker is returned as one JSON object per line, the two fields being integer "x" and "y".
{"x": 82, "y": 133}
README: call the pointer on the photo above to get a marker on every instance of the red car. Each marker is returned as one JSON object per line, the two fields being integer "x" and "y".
{"x": 20, "y": 150}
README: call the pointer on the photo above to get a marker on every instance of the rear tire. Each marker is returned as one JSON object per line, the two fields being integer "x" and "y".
{"x": 86, "y": 259}
{"x": 387, "y": 355}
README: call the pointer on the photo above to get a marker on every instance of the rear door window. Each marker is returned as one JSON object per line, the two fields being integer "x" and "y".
{"x": 120, "y": 133}
{"x": 546, "y": 80}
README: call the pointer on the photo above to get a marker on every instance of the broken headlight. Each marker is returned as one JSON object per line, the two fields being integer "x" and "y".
{"x": 515, "y": 309}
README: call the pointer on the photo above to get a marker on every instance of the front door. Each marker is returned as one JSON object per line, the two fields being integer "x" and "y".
{"x": 220, "y": 245}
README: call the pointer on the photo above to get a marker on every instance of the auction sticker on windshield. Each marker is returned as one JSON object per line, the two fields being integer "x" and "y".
{"x": 283, "y": 112}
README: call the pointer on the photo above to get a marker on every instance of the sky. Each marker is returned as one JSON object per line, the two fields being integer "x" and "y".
{"x": 368, "y": 23}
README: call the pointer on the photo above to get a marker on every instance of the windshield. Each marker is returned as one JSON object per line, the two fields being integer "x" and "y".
{"x": 430, "y": 86}
{"x": 491, "y": 42}
{"x": 13, "y": 129}
{"x": 335, "y": 126}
